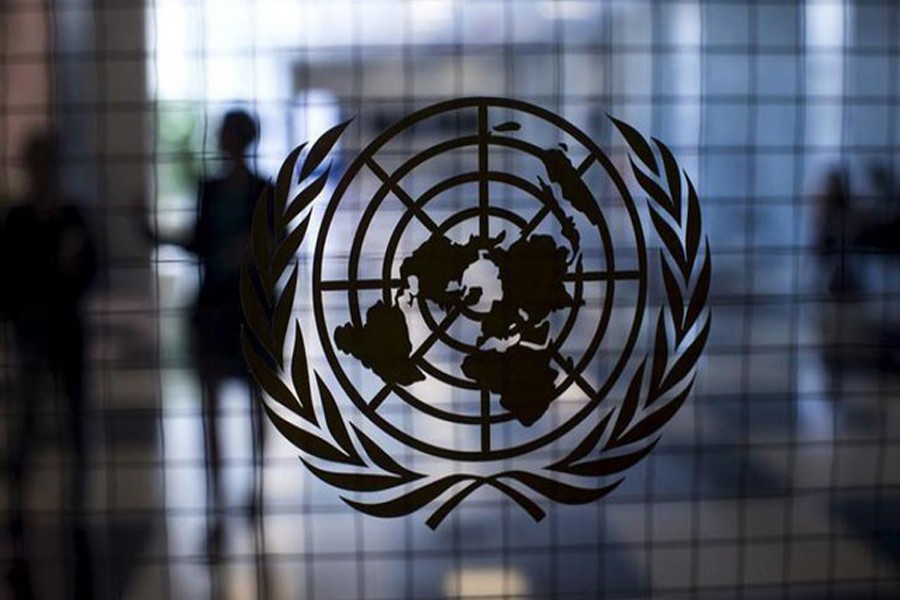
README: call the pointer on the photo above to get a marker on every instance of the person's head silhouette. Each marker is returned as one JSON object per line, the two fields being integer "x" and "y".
{"x": 41, "y": 161}
{"x": 237, "y": 134}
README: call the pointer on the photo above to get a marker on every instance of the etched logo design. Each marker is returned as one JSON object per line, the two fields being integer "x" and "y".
{"x": 481, "y": 312}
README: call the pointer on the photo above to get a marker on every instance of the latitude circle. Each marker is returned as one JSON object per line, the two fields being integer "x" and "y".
{"x": 438, "y": 188}
{"x": 428, "y": 317}
{"x": 515, "y": 219}
{"x": 482, "y": 104}
{"x": 448, "y": 223}
{"x": 408, "y": 215}
{"x": 430, "y": 194}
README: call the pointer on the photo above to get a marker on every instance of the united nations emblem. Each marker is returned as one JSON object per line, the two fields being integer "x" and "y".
{"x": 487, "y": 310}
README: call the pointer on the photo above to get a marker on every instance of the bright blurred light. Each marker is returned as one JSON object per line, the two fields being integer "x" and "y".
{"x": 432, "y": 14}
{"x": 485, "y": 583}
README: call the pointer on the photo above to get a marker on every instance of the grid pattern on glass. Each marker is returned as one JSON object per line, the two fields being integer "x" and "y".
{"x": 778, "y": 479}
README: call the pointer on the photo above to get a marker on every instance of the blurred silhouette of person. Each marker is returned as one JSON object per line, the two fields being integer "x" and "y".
{"x": 848, "y": 234}
{"x": 880, "y": 234}
{"x": 882, "y": 181}
{"x": 48, "y": 263}
{"x": 219, "y": 240}
{"x": 836, "y": 229}
{"x": 881, "y": 231}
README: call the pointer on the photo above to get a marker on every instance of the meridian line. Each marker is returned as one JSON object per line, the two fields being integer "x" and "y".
{"x": 585, "y": 164}
{"x": 380, "y": 397}
{"x": 579, "y": 380}
{"x": 359, "y": 284}
{"x": 483, "y": 180}
{"x": 441, "y": 328}
{"x": 535, "y": 221}
{"x": 602, "y": 275}
{"x": 402, "y": 194}
{"x": 485, "y": 420}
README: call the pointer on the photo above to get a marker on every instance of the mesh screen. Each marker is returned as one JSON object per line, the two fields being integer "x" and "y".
{"x": 779, "y": 478}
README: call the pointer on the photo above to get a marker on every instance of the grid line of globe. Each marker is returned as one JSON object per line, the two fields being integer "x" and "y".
{"x": 423, "y": 210}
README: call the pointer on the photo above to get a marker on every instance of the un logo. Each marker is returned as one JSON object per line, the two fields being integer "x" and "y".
{"x": 487, "y": 309}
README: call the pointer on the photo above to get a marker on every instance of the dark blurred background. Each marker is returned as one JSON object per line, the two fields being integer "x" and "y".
{"x": 779, "y": 479}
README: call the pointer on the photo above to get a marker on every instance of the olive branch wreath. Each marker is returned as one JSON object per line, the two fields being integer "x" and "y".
{"x": 657, "y": 389}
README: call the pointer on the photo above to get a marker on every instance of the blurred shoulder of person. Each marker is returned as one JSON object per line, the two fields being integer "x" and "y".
{"x": 48, "y": 254}
{"x": 881, "y": 232}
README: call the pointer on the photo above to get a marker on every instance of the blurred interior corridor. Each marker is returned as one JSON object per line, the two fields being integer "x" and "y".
{"x": 779, "y": 478}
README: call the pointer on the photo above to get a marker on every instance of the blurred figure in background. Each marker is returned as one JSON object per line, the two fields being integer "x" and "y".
{"x": 839, "y": 322}
{"x": 882, "y": 232}
{"x": 837, "y": 227}
{"x": 219, "y": 240}
{"x": 48, "y": 263}
{"x": 882, "y": 181}
{"x": 851, "y": 235}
